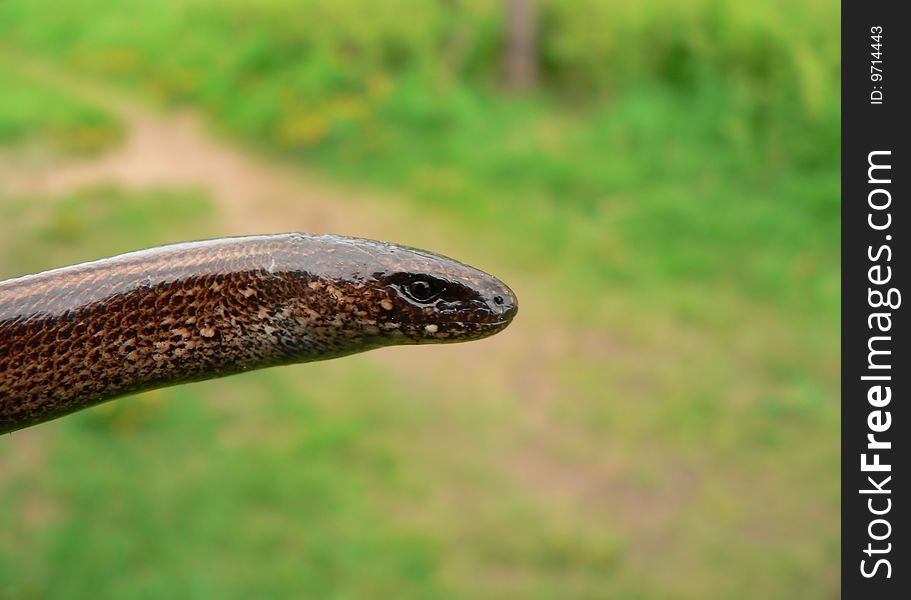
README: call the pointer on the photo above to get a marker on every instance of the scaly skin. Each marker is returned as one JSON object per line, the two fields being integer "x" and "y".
{"x": 77, "y": 336}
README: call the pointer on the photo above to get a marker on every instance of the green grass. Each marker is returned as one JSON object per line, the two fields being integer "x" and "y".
{"x": 32, "y": 113}
{"x": 664, "y": 422}
{"x": 283, "y": 513}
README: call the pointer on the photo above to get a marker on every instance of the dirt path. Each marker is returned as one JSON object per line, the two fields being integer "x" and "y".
{"x": 175, "y": 150}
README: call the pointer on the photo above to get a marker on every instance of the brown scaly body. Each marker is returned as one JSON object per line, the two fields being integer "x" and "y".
{"x": 77, "y": 336}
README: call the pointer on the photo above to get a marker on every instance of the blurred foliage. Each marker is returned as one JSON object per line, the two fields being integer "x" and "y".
{"x": 31, "y": 113}
{"x": 665, "y": 202}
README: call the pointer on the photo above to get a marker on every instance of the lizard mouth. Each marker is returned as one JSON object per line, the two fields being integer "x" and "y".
{"x": 467, "y": 327}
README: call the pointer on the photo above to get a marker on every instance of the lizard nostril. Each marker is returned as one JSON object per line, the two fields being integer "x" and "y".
{"x": 498, "y": 299}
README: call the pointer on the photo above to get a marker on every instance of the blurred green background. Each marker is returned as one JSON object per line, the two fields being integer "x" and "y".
{"x": 661, "y": 190}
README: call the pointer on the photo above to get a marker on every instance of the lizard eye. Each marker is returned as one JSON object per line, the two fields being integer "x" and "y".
{"x": 421, "y": 290}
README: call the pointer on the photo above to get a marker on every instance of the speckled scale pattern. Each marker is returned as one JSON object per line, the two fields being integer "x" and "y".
{"x": 74, "y": 337}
